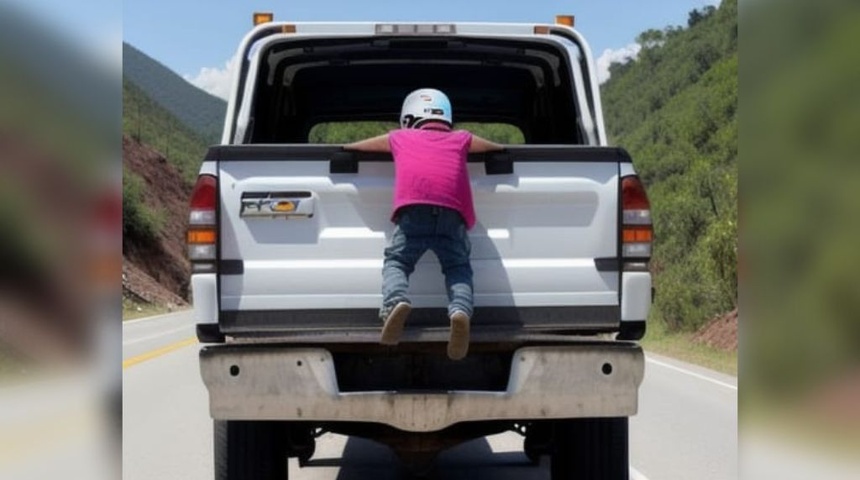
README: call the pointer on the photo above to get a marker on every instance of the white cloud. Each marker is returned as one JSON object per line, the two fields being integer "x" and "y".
{"x": 216, "y": 81}
{"x": 110, "y": 49}
{"x": 620, "y": 55}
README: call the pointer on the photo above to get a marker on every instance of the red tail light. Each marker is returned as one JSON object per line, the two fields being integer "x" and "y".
{"x": 636, "y": 228}
{"x": 633, "y": 196}
{"x": 204, "y": 195}
{"x": 202, "y": 236}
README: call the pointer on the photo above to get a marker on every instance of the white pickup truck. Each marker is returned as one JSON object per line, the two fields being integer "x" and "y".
{"x": 286, "y": 238}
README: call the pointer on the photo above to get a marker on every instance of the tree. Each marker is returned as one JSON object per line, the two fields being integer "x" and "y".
{"x": 697, "y": 16}
{"x": 650, "y": 39}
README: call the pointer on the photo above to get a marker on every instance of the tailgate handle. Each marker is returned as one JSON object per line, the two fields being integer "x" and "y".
{"x": 498, "y": 164}
{"x": 343, "y": 162}
{"x": 277, "y": 204}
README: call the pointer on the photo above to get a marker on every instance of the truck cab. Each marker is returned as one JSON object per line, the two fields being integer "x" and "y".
{"x": 287, "y": 231}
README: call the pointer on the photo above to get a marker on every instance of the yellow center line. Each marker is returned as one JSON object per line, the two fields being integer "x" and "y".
{"x": 26, "y": 439}
{"x": 157, "y": 353}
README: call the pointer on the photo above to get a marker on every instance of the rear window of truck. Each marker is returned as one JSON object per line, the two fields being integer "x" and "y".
{"x": 346, "y": 132}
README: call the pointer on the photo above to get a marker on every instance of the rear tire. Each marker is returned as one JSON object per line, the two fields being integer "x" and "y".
{"x": 591, "y": 448}
{"x": 538, "y": 441}
{"x": 250, "y": 450}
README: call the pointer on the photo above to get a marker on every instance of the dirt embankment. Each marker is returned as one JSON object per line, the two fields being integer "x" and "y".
{"x": 46, "y": 229}
{"x": 721, "y": 332}
{"x": 157, "y": 271}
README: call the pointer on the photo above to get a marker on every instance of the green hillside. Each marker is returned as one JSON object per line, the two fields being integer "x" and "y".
{"x": 674, "y": 109}
{"x": 202, "y": 112}
{"x": 801, "y": 108}
{"x": 147, "y": 122}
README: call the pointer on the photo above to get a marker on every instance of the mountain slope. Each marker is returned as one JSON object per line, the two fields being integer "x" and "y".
{"x": 674, "y": 109}
{"x": 154, "y": 194}
{"x": 161, "y": 160}
{"x": 203, "y": 112}
{"x": 144, "y": 120}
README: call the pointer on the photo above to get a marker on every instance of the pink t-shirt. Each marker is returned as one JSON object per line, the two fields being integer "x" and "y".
{"x": 430, "y": 169}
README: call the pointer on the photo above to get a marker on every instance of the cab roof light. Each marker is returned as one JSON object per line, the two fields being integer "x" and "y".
{"x": 566, "y": 20}
{"x": 263, "y": 17}
{"x": 415, "y": 29}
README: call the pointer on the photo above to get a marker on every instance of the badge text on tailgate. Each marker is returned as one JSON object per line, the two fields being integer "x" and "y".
{"x": 277, "y": 204}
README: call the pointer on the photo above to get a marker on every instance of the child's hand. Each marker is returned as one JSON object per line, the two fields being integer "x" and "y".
{"x": 480, "y": 145}
{"x": 373, "y": 144}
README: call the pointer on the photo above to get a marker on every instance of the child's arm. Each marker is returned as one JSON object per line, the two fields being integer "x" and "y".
{"x": 373, "y": 144}
{"x": 480, "y": 145}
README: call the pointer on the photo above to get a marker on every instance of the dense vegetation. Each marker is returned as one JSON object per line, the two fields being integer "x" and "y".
{"x": 140, "y": 223}
{"x": 674, "y": 109}
{"x": 800, "y": 207}
{"x": 195, "y": 108}
{"x": 148, "y": 123}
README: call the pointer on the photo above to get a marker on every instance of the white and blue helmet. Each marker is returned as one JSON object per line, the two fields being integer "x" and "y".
{"x": 424, "y": 105}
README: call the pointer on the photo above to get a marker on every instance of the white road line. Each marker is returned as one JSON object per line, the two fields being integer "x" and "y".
{"x": 157, "y": 335}
{"x": 153, "y": 317}
{"x": 636, "y": 475}
{"x": 691, "y": 373}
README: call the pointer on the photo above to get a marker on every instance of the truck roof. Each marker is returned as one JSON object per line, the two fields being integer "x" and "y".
{"x": 390, "y": 41}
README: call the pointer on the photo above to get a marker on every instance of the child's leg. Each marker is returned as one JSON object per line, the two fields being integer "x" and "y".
{"x": 400, "y": 258}
{"x": 453, "y": 249}
{"x": 458, "y": 280}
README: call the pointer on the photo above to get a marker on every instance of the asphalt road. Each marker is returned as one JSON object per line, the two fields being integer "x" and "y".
{"x": 686, "y": 427}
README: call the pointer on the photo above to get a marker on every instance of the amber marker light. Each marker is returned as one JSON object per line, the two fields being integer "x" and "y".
{"x": 263, "y": 17}
{"x": 566, "y": 20}
{"x": 201, "y": 235}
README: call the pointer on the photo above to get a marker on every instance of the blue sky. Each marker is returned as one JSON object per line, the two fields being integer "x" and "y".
{"x": 92, "y": 26}
{"x": 197, "y": 38}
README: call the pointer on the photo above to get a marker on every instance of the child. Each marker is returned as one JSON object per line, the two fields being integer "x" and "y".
{"x": 432, "y": 210}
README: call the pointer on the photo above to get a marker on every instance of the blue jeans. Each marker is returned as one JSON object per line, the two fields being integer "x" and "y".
{"x": 420, "y": 228}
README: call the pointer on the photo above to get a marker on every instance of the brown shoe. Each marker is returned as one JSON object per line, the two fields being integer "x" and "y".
{"x": 393, "y": 326}
{"x": 458, "y": 343}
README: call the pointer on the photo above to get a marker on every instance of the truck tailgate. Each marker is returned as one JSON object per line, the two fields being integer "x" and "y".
{"x": 301, "y": 247}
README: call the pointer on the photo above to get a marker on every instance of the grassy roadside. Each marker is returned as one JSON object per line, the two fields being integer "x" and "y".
{"x": 10, "y": 366}
{"x": 682, "y": 347}
{"x": 132, "y": 310}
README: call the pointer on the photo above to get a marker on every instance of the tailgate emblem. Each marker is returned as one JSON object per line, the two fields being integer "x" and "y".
{"x": 283, "y": 206}
{"x": 277, "y": 204}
